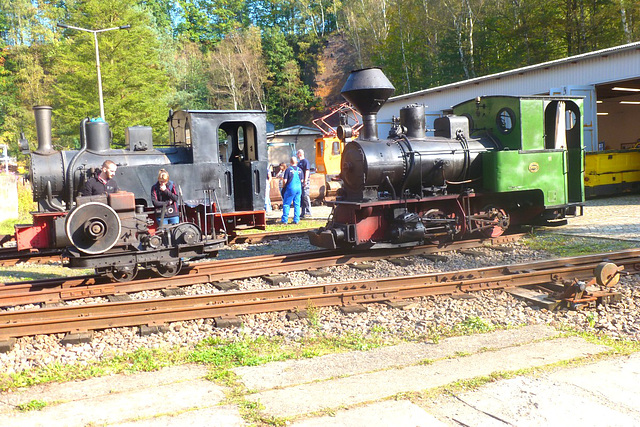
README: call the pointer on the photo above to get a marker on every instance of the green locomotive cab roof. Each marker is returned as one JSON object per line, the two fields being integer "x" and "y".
{"x": 526, "y": 122}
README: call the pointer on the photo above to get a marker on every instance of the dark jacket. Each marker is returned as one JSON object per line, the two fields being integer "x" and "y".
{"x": 168, "y": 198}
{"x": 95, "y": 187}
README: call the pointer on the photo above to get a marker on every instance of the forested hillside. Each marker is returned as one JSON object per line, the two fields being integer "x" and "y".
{"x": 289, "y": 57}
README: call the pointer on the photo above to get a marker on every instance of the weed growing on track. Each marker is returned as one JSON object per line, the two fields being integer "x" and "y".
{"x": 566, "y": 246}
{"x": 33, "y": 405}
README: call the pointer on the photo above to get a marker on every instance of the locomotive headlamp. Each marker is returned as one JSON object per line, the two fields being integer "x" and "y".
{"x": 344, "y": 132}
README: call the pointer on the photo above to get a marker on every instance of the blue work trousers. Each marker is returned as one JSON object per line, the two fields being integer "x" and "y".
{"x": 291, "y": 194}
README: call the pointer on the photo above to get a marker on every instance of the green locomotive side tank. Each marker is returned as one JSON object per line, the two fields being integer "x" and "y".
{"x": 541, "y": 145}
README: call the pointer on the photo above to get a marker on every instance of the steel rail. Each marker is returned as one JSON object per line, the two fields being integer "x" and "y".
{"x": 159, "y": 311}
{"x": 11, "y": 256}
{"x": 53, "y": 290}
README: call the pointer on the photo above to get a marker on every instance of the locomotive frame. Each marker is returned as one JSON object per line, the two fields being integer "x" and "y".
{"x": 493, "y": 162}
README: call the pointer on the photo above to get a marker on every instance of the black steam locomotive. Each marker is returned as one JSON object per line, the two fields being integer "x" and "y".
{"x": 217, "y": 158}
{"x": 496, "y": 161}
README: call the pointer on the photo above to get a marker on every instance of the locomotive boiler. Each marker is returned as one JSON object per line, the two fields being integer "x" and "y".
{"x": 218, "y": 160}
{"x": 496, "y": 161}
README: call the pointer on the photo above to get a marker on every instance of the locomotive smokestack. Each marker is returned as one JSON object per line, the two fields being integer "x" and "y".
{"x": 368, "y": 89}
{"x": 43, "y": 129}
{"x": 412, "y": 118}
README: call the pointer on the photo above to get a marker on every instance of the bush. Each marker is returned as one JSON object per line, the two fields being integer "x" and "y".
{"x": 25, "y": 206}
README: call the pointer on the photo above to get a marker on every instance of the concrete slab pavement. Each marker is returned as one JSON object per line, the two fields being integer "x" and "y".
{"x": 175, "y": 396}
{"x": 360, "y": 389}
{"x": 292, "y": 372}
{"x": 610, "y": 218}
{"x": 600, "y": 394}
{"x": 335, "y": 393}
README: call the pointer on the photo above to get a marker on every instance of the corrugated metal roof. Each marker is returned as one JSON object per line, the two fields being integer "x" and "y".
{"x": 295, "y": 130}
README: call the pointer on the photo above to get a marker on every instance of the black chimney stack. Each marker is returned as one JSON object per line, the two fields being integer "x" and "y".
{"x": 368, "y": 89}
{"x": 43, "y": 129}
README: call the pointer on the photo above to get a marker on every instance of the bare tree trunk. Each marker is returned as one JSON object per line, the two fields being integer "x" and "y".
{"x": 404, "y": 58}
{"x": 471, "y": 21}
{"x": 463, "y": 61}
{"x": 625, "y": 24}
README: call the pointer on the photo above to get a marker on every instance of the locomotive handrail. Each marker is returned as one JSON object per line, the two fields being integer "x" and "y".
{"x": 72, "y": 163}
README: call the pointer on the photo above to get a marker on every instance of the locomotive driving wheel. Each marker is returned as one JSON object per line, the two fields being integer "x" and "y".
{"x": 167, "y": 269}
{"x": 93, "y": 227}
{"x": 449, "y": 226}
{"x": 493, "y": 221}
{"x": 124, "y": 273}
{"x": 187, "y": 234}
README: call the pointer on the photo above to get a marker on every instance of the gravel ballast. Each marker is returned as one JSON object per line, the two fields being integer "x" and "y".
{"x": 423, "y": 318}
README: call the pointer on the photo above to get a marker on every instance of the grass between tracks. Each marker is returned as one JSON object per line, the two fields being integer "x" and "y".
{"x": 567, "y": 246}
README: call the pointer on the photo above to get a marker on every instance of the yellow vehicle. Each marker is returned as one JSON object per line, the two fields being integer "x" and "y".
{"x": 329, "y": 147}
{"x": 328, "y": 152}
{"x": 611, "y": 172}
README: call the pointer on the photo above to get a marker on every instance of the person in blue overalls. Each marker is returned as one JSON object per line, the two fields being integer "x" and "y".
{"x": 165, "y": 195}
{"x": 292, "y": 191}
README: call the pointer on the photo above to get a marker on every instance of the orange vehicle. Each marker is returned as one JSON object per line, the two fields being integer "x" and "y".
{"x": 325, "y": 182}
{"x": 329, "y": 147}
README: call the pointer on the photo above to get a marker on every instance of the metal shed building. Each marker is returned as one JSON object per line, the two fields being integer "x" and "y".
{"x": 283, "y": 143}
{"x": 609, "y": 79}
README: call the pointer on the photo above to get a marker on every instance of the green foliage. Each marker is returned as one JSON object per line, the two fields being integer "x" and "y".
{"x": 188, "y": 71}
{"x": 25, "y": 206}
{"x": 566, "y": 246}
{"x": 209, "y": 21}
{"x": 132, "y": 80}
{"x": 313, "y": 316}
{"x": 33, "y": 405}
{"x": 473, "y": 325}
{"x": 222, "y": 354}
{"x": 287, "y": 96}
{"x": 146, "y": 360}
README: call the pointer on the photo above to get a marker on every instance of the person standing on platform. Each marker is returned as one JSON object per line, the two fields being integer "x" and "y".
{"x": 292, "y": 191}
{"x": 280, "y": 177}
{"x": 165, "y": 195}
{"x": 102, "y": 183}
{"x": 304, "y": 165}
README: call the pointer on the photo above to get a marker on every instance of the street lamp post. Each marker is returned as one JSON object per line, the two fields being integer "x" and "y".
{"x": 95, "y": 41}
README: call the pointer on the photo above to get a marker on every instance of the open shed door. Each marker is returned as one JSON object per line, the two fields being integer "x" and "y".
{"x": 589, "y": 114}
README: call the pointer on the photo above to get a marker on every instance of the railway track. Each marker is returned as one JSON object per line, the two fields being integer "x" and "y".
{"x": 224, "y": 307}
{"x": 68, "y": 288}
{"x": 9, "y": 256}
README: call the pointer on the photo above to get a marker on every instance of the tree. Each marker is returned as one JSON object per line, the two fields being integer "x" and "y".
{"x": 28, "y": 45}
{"x": 189, "y": 76}
{"x": 237, "y": 71}
{"x": 209, "y": 21}
{"x": 289, "y": 100}
{"x": 135, "y": 86}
